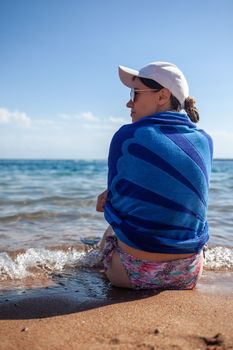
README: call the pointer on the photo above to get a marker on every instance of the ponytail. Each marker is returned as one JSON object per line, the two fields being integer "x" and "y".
{"x": 191, "y": 109}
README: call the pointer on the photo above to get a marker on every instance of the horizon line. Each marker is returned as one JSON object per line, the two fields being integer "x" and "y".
{"x": 80, "y": 159}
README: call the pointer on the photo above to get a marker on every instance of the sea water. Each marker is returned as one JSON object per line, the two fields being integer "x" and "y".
{"x": 48, "y": 221}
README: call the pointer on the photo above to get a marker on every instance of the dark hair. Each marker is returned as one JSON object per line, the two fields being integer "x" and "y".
{"x": 189, "y": 103}
{"x": 150, "y": 83}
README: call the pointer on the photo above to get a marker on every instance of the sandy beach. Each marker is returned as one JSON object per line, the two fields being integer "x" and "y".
{"x": 66, "y": 319}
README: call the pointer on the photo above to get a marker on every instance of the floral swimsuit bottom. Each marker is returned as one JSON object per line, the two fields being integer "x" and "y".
{"x": 147, "y": 274}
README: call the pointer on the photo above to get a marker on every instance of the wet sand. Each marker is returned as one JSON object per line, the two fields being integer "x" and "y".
{"x": 87, "y": 313}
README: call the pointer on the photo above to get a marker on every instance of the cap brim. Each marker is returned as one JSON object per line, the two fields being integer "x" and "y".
{"x": 126, "y": 75}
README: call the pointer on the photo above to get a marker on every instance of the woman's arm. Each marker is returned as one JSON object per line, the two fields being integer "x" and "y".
{"x": 101, "y": 200}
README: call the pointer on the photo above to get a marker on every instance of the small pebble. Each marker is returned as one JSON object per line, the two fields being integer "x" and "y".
{"x": 156, "y": 331}
{"x": 24, "y": 329}
{"x": 216, "y": 340}
{"x": 114, "y": 341}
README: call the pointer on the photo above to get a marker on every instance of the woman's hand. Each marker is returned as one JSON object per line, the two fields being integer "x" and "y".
{"x": 101, "y": 200}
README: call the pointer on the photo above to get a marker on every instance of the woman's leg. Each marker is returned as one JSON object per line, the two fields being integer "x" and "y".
{"x": 116, "y": 272}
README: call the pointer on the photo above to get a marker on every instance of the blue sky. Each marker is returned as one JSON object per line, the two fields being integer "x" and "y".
{"x": 60, "y": 95}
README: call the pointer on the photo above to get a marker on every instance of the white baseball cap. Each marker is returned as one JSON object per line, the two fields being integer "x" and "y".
{"x": 166, "y": 74}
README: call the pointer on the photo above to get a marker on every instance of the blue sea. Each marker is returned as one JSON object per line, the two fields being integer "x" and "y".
{"x": 49, "y": 222}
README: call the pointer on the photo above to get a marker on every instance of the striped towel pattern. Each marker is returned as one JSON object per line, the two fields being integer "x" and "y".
{"x": 158, "y": 181}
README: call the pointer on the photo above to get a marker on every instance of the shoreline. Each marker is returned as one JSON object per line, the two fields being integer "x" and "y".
{"x": 98, "y": 316}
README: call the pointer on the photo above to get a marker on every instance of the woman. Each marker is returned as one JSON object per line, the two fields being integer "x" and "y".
{"x": 158, "y": 178}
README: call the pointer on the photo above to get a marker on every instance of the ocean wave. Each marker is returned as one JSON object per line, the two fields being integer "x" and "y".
{"x": 46, "y": 214}
{"x": 40, "y": 214}
{"x": 16, "y": 266}
{"x": 58, "y": 200}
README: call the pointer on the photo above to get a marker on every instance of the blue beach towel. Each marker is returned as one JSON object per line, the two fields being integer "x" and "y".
{"x": 158, "y": 183}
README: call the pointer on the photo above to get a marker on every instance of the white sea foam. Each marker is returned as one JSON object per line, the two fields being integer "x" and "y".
{"x": 33, "y": 260}
{"x": 219, "y": 258}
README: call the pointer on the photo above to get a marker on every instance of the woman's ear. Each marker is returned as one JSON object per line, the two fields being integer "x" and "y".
{"x": 164, "y": 96}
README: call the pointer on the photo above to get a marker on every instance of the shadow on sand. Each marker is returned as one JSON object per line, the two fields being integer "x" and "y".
{"x": 71, "y": 292}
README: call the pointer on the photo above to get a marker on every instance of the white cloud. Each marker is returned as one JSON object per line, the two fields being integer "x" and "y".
{"x": 89, "y": 120}
{"x": 84, "y": 116}
{"x": 116, "y": 120}
{"x": 65, "y": 116}
{"x": 110, "y": 123}
{"x": 89, "y": 117}
{"x": 65, "y": 121}
{"x": 14, "y": 117}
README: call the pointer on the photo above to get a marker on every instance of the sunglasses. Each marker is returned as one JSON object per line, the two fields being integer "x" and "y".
{"x": 133, "y": 92}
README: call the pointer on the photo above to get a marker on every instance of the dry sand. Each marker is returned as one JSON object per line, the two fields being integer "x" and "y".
{"x": 198, "y": 319}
